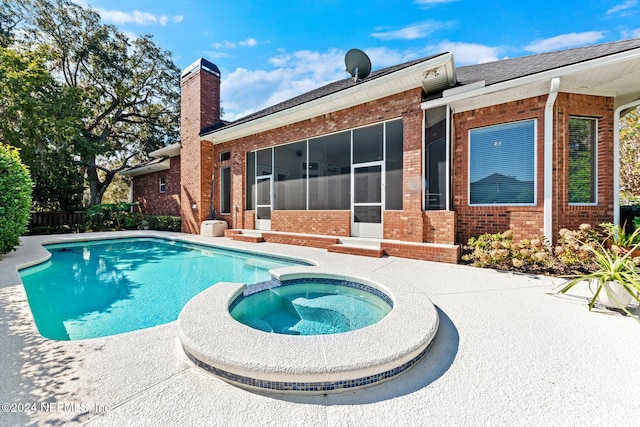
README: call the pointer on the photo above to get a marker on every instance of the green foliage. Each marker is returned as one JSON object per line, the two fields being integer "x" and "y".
{"x": 629, "y": 152}
{"x": 572, "y": 253}
{"x": 612, "y": 267}
{"x": 80, "y": 98}
{"x": 501, "y": 252}
{"x": 619, "y": 236}
{"x": 15, "y": 198}
{"x": 164, "y": 222}
{"x": 42, "y": 118}
{"x": 109, "y": 216}
{"x": 573, "y": 247}
{"x": 130, "y": 87}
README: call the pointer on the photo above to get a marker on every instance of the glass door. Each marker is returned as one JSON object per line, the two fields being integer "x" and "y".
{"x": 264, "y": 190}
{"x": 366, "y": 209}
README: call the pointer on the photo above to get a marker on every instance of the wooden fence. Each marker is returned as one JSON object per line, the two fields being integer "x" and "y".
{"x": 56, "y": 219}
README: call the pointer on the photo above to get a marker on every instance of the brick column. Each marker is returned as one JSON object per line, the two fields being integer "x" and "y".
{"x": 200, "y": 107}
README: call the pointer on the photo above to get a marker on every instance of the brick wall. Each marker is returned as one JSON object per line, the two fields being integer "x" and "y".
{"x": 200, "y": 107}
{"x": 564, "y": 215}
{"x": 330, "y": 223}
{"x": 528, "y": 221}
{"x": 439, "y": 226}
{"x": 146, "y": 190}
{"x": 476, "y": 220}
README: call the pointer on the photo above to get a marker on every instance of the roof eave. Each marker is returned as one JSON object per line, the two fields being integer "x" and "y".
{"x": 533, "y": 79}
{"x": 143, "y": 170}
{"x": 168, "y": 151}
{"x": 366, "y": 91}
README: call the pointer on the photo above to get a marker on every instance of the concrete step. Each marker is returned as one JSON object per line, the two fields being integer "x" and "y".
{"x": 353, "y": 249}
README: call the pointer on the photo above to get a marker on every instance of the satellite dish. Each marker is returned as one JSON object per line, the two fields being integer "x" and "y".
{"x": 358, "y": 64}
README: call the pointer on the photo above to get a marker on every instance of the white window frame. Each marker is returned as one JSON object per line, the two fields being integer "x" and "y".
{"x": 535, "y": 165}
{"x": 162, "y": 185}
{"x": 595, "y": 162}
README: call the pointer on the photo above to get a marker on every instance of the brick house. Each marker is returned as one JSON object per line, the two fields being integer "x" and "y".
{"x": 419, "y": 156}
{"x": 156, "y": 183}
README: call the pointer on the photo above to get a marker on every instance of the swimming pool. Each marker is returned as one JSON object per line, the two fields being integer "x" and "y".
{"x": 97, "y": 288}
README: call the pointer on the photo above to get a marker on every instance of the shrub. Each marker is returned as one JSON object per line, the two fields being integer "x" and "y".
{"x": 501, "y": 252}
{"x": 15, "y": 198}
{"x": 574, "y": 248}
{"x": 164, "y": 222}
{"x": 113, "y": 216}
{"x": 572, "y": 254}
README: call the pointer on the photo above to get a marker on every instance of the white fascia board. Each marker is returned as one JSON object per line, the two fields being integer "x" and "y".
{"x": 143, "y": 170}
{"x": 168, "y": 151}
{"x": 536, "y": 80}
{"x": 360, "y": 93}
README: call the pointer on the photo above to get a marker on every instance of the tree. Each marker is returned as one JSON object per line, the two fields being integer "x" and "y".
{"x": 630, "y": 157}
{"x": 130, "y": 87}
{"x": 15, "y": 198}
{"x": 42, "y": 118}
{"x": 8, "y": 21}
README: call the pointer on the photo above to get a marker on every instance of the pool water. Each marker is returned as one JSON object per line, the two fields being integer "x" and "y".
{"x": 311, "y": 308}
{"x": 106, "y": 287}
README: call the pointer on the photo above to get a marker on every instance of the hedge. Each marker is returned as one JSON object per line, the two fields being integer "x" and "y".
{"x": 15, "y": 198}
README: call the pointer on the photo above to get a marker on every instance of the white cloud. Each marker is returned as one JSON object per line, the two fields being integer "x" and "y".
{"x": 382, "y": 57}
{"x": 622, "y": 7}
{"x": 245, "y": 91}
{"x": 250, "y": 42}
{"x": 411, "y": 32}
{"x": 468, "y": 53}
{"x": 564, "y": 41}
{"x": 137, "y": 17}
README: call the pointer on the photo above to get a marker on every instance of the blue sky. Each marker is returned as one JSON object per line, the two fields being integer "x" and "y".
{"x": 270, "y": 51}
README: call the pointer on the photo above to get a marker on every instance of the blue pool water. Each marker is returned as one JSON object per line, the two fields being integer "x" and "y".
{"x": 106, "y": 287}
{"x": 312, "y": 307}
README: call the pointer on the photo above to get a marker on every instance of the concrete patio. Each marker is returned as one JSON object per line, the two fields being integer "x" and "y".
{"x": 506, "y": 353}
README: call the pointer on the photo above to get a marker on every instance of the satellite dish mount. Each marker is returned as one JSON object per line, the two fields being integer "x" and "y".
{"x": 358, "y": 64}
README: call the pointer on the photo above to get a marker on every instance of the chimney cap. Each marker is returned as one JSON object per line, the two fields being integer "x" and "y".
{"x": 201, "y": 64}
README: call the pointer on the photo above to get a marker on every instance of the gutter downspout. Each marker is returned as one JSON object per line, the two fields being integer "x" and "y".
{"x": 554, "y": 86}
{"x": 616, "y": 158}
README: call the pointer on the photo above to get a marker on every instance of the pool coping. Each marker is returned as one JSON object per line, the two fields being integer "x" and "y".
{"x": 319, "y": 364}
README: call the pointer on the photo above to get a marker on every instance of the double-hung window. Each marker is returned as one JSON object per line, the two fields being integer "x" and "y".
{"x": 582, "y": 160}
{"x": 162, "y": 184}
{"x": 502, "y": 164}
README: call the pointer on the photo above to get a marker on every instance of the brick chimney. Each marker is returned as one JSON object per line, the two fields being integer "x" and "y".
{"x": 200, "y": 108}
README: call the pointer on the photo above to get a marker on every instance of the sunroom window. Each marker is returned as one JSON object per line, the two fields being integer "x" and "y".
{"x": 502, "y": 164}
{"x": 582, "y": 160}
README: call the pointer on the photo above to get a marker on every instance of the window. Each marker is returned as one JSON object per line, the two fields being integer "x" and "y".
{"x": 582, "y": 160}
{"x": 315, "y": 174}
{"x": 290, "y": 185}
{"x": 163, "y": 185}
{"x": 393, "y": 165}
{"x": 330, "y": 172}
{"x": 225, "y": 155}
{"x": 502, "y": 164}
{"x": 250, "y": 181}
{"x": 435, "y": 159}
{"x": 225, "y": 190}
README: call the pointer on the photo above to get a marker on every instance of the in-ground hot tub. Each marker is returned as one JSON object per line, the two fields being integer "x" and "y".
{"x": 307, "y": 364}
{"x": 310, "y": 306}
